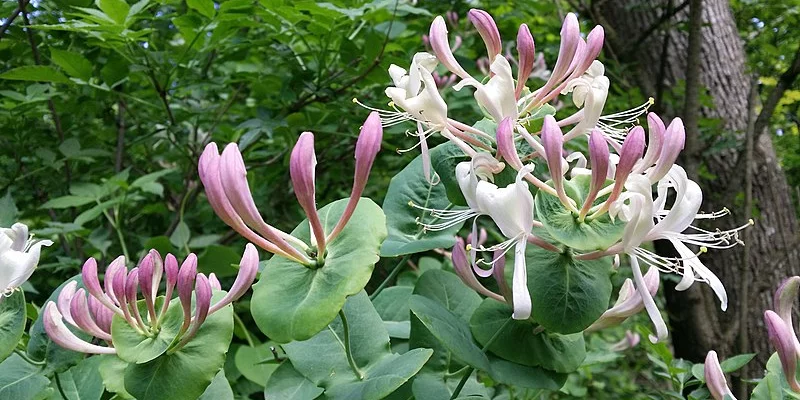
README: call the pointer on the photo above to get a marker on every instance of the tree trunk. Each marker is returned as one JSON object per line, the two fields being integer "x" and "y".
{"x": 659, "y": 59}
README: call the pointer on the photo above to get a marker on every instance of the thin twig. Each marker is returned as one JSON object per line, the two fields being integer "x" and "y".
{"x": 11, "y": 18}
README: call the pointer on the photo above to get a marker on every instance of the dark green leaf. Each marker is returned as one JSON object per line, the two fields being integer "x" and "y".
{"x": 20, "y": 380}
{"x": 12, "y": 322}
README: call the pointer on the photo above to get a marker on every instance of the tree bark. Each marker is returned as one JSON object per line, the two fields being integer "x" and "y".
{"x": 697, "y": 323}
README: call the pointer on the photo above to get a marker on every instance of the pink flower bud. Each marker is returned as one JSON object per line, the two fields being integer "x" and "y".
{"x": 631, "y": 152}
{"x": 594, "y": 44}
{"x": 598, "y": 157}
{"x": 102, "y": 315}
{"x": 715, "y": 378}
{"x": 186, "y": 279}
{"x": 248, "y": 268}
{"x": 505, "y": 143}
{"x": 131, "y": 295}
{"x": 367, "y": 147}
{"x": 426, "y": 41}
{"x": 553, "y": 142}
{"x": 116, "y": 266}
{"x": 92, "y": 284}
{"x": 79, "y": 308}
{"x": 64, "y": 299}
{"x": 146, "y": 267}
{"x": 212, "y": 279}
{"x": 498, "y": 273}
{"x": 171, "y": 268}
{"x": 785, "y": 297}
{"x": 62, "y": 336}
{"x": 674, "y": 139}
{"x": 202, "y": 292}
{"x": 441, "y": 48}
{"x": 656, "y": 130}
{"x": 784, "y": 340}
{"x": 302, "y": 164}
{"x": 452, "y": 18}
{"x": 487, "y": 28}
{"x": 526, "y": 52}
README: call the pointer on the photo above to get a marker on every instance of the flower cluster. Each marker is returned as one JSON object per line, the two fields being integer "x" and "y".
{"x": 781, "y": 330}
{"x": 621, "y": 166}
{"x": 225, "y": 179}
{"x": 19, "y": 255}
{"x": 91, "y": 310}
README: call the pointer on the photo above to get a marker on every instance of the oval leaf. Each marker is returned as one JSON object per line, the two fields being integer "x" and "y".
{"x": 12, "y": 322}
{"x": 133, "y": 346}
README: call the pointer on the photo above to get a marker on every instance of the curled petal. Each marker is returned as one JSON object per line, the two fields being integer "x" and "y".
{"x": 441, "y": 47}
{"x": 715, "y": 378}
{"x": 248, "y": 268}
{"x": 649, "y": 303}
{"x": 62, "y": 336}
{"x": 487, "y": 28}
{"x": 784, "y": 340}
{"x": 629, "y": 302}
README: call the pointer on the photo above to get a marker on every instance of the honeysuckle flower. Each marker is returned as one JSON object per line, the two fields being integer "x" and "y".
{"x": 19, "y": 256}
{"x": 715, "y": 378}
{"x": 599, "y": 157}
{"x": 629, "y": 302}
{"x": 91, "y": 310}
{"x": 225, "y": 181}
{"x": 630, "y": 341}
{"x": 464, "y": 271}
{"x": 497, "y": 96}
{"x": 553, "y": 142}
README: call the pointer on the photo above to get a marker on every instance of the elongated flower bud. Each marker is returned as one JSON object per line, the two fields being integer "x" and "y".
{"x": 785, "y": 297}
{"x": 783, "y": 339}
{"x": 302, "y": 165}
{"x": 102, "y": 315}
{"x": 674, "y": 139}
{"x": 553, "y": 142}
{"x": 598, "y": 157}
{"x": 367, "y": 147}
{"x": 62, "y": 336}
{"x": 248, "y": 268}
{"x": 131, "y": 296}
{"x": 630, "y": 154}
{"x": 202, "y": 302}
{"x": 499, "y": 275}
{"x": 92, "y": 284}
{"x": 186, "y": 279}
{"x": 592, "y": 48}
{"x": 655, "y": 141}
{"x": 146, "y": 267}
{"x": 214, "y": 281}
{"x": 464, "y": 271}
{"x": 526, "y": 52}
{"x": 116, "y": 266}
{"x": 441, "y": 48}
{"x": 570, "y": 39}
{"x": 487, "y": 28}
{"x": 79, "y": 309}
{"x": 505, "y": 143}
{"x": 715, "y": 378}
{"x": 171, "y": 269}
{"x": 64, "y": 299}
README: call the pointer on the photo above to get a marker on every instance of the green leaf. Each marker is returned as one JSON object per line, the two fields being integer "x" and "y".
{"x": 406, "y": 236}
{"x": 520, "y": 343}
{"x": 770, "y": 388}
{"x": 37, "y": 73}
{"x": 219, "y": 260}
{"x": 181, "y": 235}
{"x": 219, "y": 389}
{"x": 392, "y": 306}
{"x": 563, "y": 225}
{"x": 112, "y": 370}
{"x": 82, "y": 382}
{"x": 255, "y": 363}
{"x": 204, "y": 7}
{"x": 288, "y": 384}
{"x": 194, "y": 365}
{"x": 451, "y": 331}
{"x": 295, "y": 302}
{"x": 568, "y": 294}
{"x": 510, "y": 373}
{"x": 96, "y": 211}
{"x": 20, "y": 380}
{"x": 448, "y": 290}
{"x": 40, "y": 347}
{"x": 117, "y": 10}
{"x": 74, "y": 64}
{"x": 444, "y": 161}
{"x": 8, "y": 210}
{"x": 732, "y": 364}
{"x": 12, "y": 322}
{"x": 322, "y": 359}
{"x": 144, "y": 181}
{"x": 67, "y": 202}
{"x": 133, "y": 346}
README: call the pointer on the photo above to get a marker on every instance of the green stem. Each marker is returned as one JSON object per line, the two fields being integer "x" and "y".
{"x": 392, "y": 275}
{"x": 27, "y": 359}
{"x": 347, "y": 350}
{"x": 464, "y": 379}
{"x": 247, "y": 336}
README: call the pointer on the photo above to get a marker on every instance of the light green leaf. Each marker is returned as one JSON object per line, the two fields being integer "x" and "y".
{"x": 256, "y": 363}
{"x": 8, "y": 210}
{"x": 74, "y": 64}
{"x": 117, "y": 10}
{"x": 82, "y": 382}
{"x": 20, "y": 380}
{"x": 204, "y": 7}
{"x": 12, "y": 322}
{"x": 219, "y": 389}
{"x": 67, "y": 202}
{"x": 181, "y": 235}
{"x": 295, "y": 302}
{"x": 134, "y": 347}
{"x": 288, "y": 384}
{"x": 38, "y": 73}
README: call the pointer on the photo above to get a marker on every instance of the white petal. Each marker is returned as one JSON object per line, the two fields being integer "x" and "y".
{"x": 521, "y": 296}
{"x": 649, "y": 303}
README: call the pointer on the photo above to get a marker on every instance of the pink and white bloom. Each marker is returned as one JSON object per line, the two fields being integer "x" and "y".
{"x": 19, "y": 256}
{"x": 629, "y": 302}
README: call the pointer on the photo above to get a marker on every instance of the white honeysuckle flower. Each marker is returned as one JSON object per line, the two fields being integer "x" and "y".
{"x": 19, "y": 255}
{"x": 496, "y": 96}
{"x": 416, "y": 94}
